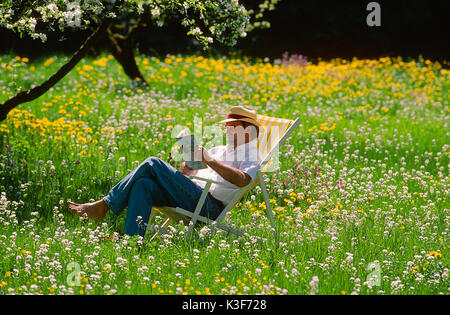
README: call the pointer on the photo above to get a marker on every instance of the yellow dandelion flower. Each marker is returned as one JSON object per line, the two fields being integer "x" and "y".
{"x": 48, "y": 62}
{"x": 435, "y": 254}
{"x": 87, "y": 67}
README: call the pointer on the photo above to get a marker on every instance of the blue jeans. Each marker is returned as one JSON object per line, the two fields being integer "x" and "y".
{"x": 155, "y": 183}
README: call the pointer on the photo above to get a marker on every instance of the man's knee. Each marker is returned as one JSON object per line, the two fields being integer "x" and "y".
{"x": 154, "y": 160}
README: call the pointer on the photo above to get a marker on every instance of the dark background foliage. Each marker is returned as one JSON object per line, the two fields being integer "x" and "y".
{"x": 314, "y": 28}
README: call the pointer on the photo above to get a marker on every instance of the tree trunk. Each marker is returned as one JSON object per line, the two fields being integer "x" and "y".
{"x": 37, "y": 91}
{"x": 122, "y": 47}
{"x": 126, "y": 57}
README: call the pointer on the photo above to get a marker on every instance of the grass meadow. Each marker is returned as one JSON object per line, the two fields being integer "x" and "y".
{"x": 360, "y": 197}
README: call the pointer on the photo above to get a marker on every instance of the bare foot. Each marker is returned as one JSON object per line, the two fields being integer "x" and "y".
{"x": 96, "y": 210}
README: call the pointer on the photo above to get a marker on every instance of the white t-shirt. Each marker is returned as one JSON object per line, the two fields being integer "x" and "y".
{"x": 245, "y": 157}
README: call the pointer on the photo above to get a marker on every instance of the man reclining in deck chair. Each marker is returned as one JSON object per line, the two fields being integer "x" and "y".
{"x": 156, "y": 183}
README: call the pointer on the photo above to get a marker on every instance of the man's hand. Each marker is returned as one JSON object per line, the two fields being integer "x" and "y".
{"x": 201, "y": 154}
{"x": 186, "y": 170}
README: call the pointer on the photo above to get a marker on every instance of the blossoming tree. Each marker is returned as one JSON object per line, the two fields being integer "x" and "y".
{"x": 206, "y": 20}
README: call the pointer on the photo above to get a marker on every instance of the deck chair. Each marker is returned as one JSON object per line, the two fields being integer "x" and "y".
{"x": 273, "y": 133}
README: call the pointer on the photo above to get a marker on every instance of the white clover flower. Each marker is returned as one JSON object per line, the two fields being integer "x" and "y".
{"x": 314, "y": 284}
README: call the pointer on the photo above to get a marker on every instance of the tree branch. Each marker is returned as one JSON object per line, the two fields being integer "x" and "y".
{"x": 34, "y": 93}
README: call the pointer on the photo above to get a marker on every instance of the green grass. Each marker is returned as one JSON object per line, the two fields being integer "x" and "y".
{"x": 377, "y": 191}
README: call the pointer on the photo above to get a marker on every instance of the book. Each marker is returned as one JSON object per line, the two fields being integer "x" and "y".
{"x": 187, "y": 144}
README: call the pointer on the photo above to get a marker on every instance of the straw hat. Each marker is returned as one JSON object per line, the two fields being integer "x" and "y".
{"x": 243, "y": 114}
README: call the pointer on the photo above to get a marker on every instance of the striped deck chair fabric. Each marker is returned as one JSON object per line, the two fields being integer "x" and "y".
{"x": 273, "y": 131}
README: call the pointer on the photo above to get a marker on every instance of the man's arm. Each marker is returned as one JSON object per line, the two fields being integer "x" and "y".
{"x": 231, "y": 174}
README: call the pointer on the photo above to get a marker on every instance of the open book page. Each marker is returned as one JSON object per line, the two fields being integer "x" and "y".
{"x": 187, "y": 144}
